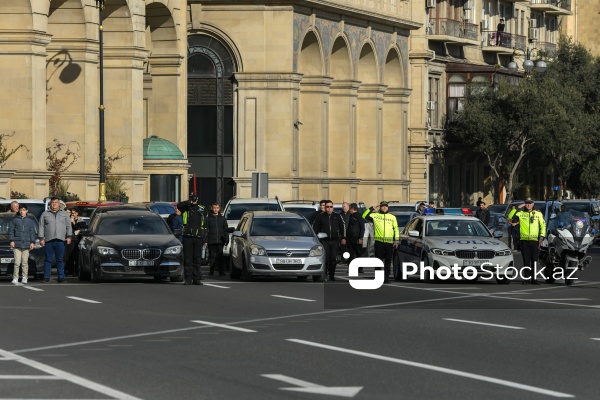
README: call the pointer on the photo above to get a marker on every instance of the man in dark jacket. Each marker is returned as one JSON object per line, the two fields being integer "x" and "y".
{"x": 194, "y": 233}
{"x": 483, "y": 213}
{"x": 355, "y": 233}
{"x": 333, "y": 225}
{"x": 21, "y": 235}
{"x": 216, "y": 238}
{"x": 319, "y": 212}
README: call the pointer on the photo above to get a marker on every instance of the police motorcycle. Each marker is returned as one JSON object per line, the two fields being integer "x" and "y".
{"x": 569, "y": 237}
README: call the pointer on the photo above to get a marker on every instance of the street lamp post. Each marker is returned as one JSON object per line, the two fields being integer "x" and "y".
{"x": 528, "y": 65}
{"x": 102, "y": 187}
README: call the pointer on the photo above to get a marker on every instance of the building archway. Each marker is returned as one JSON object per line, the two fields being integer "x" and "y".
{"x": 210, "y": 118}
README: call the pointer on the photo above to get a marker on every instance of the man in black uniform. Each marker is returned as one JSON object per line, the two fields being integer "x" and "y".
{"x": 194, "y": 233}
{"x": 319, "y": 212}
{"x": 333, "y": 225}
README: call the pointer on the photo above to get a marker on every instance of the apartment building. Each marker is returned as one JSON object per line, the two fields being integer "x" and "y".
{"x": 460, "y": 43}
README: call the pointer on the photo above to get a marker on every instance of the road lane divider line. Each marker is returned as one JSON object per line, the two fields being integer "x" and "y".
{"x": 235, "y": 328}
{"x": 572, "y": 299}
{"x": 217, "y": 286}
{"x": 36, "y": 377}
{"x": 33, "y": 288}
{"x": 77, "y": 380}
{"x": 290, "y": 298}
{"x": 482, "y": 323}
{"x": 595, "y": 338}
{"x": 436, "y": 368}
{"x": 84, "y": 300}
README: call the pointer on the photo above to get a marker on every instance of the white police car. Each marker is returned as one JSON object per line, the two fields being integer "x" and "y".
{"x": 452, "y": 247}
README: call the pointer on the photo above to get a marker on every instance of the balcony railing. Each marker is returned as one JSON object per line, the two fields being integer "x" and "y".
{"x": 548, "y": 48}
{"x": 504, "y": 39}
{"x": 564, "y": 4}
{"x": 450, "y": 27}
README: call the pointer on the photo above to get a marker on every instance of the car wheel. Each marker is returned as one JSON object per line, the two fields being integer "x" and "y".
{"x": 317, "y": 278}
{"x": 177, "y": 278}
{"x": 246, "y": 276}
{"x": 96, "y": 274}
{"x": 82, "y": 275}
{"x": 234, "y": 273}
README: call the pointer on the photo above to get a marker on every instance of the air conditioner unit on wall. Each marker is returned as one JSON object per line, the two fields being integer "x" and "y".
{"x": 533, "y": 23}
{"x": 534, "y": 34}
{"x": 484, "y": 24}
{"x": 430, "y": 3}
{"x": 430, "y": 105}
{"x": 468, "y": 5}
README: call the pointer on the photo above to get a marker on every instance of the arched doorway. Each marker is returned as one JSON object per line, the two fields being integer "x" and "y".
{"x": 210, "y": 118}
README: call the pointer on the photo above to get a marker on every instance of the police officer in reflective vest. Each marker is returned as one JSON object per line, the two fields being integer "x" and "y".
{"x": 387, "y": 236}
{"x": 532, "y": 228}
{"x": 194, "y": 233}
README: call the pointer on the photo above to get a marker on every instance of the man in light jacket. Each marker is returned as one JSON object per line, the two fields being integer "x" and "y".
{"x": 54, "y": 230}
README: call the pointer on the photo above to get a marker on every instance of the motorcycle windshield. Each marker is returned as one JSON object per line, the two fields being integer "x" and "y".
{"x": 579, "y": 223}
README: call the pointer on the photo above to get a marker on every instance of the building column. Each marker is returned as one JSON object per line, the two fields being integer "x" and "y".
{"x": 395, "y": 139}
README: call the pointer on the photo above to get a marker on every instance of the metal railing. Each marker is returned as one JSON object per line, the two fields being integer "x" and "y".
{"x": 547, "y": 48}
{"x": 451, "y": 27}
{"x": 503, "y": 39}
{"x": 564, "y": 4}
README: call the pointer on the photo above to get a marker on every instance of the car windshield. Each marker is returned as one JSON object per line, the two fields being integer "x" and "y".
{"x": 304, "y": 211}
{"x": 583, "y": 207}
{"x": 5, "y": 225}
{"x": 497, "y": 208}
{"x": 235, "y": 211}
{"x": 280, "y": 227}
{"x": 83, "y": 211}
{"x": 140, "y": 225}
{"x": 393, "y": 209}
{"x": 456, "y": 228}
{"x": 162, "y": 208}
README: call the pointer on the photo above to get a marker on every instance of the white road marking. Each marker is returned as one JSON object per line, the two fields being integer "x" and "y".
{"x": 444, "y": 370}
{"x": 218, "y": 286}
{"x": 291, "y": 298}
{"x": 595, "y": 338}
{"x": 35, "y": 289}
{"x": 36, "y": 377}
{"x": 573, "y": 299}
{"x": 235, "y": 328}
{"x": 458, "y": 288}
{"x": 309, "y": 387}
{"x": 482, "y": 323}
{"x": 85, "y": 300}
{"x": 59, "y": 374}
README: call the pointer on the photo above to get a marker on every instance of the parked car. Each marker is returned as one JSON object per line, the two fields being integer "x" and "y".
{"x": 162, "y": 208}
{"x": 497, "y": 208}
{"x": 37, "y": 256}
{"x": 276, "y": 243}
{"x": 404, "y": 217}
{"x": 124, "y": 207}
{"x": 454, "y": 211}
{"x": 236, "y": 207}
{"x": 86, "y": 208}
{"x": 34, "y": 206}
{"x": 446, "y": 240}
{"x": 129, "y": 242}
{"x": 306, "y": 208}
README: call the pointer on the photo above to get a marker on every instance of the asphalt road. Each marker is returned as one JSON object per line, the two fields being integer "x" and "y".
{"x": 275, "y": 339}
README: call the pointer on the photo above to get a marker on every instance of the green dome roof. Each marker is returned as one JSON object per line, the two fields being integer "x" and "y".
{"x": 156, "y": 148}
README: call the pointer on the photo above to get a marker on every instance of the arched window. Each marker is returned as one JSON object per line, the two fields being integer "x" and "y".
{"x": 210, "y": 118}
{"x": 456, "y": 92}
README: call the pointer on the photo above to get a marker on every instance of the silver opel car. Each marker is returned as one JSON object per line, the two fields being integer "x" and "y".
{"x": 275, "y": 243}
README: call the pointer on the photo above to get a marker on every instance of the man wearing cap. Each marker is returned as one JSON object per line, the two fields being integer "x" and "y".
{"x": 532, "y": 228}
{"x": 194, "y": 233}
{"x": 387, "y": 236}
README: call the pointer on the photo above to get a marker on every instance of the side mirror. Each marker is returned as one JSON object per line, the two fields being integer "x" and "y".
{"x": 498, "y": 234}
{"x": 236, "y": 233}
{"x": 85, "y": 232}
{"x": 413, "y": 233}
{"x": 82, "y": 225}
{"x": 321, "y": 235}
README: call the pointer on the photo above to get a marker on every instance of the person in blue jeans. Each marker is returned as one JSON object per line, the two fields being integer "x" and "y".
{"x": 54, "y": 230}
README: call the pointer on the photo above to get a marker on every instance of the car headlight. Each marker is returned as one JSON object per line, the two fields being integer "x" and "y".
{"x": 257, "y": 250}
{"x": 502, "y": 253}
{"x": 106, "y": 251}
{"x": 173, "y": 250}
{"x": 442, "y": 252}
{"x": 316, "y": 251}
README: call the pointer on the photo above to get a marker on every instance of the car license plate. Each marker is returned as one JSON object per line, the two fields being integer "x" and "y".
{"x": 141, "y": 263}
{"x": 7, "y": 260}
{"x": 288, "y": 261}
{"x": 476, "y": 263}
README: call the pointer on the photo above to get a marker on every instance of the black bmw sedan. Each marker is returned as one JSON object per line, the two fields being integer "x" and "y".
{"x": 126, "y": 243}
